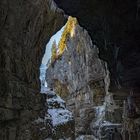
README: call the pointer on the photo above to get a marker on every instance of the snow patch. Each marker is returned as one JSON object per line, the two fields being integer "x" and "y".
{"x": 56, "y": 99}
{"x": 85, "y": 137}
{"x": 100, "y": 114}
{"x": 60, "y": 116}
{"x": 57, "y": 109}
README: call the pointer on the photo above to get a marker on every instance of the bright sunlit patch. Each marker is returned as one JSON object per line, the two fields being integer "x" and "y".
{"x": 72, "y": 32}
{"x": 55, "y": 48}
{"x": 73, "y": 22}
{"x": 69, "y": 31}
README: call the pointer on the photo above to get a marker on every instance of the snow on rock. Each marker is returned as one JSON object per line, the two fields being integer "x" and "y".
{"x": 86, "y": 137}
{"x": 60, "y": 116}
{"x": 100, "y": 114}
{"x": 56, "y": 99}
{"x": 44, "y": 90}
{"x": 56, "y": 106}
{"x": 57, "y": 109}
{"x": 43, "y": 120}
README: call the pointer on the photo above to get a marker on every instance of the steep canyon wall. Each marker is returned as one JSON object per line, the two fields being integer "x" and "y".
{"x": 81, "y": 78}
{"x": 25, "y": 28}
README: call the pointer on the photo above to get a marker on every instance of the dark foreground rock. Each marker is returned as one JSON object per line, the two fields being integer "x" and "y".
{"x": 25, "y": 28}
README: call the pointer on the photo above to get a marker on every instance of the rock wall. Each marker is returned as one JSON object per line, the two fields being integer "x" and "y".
{"x": 25, "y": 28}
{"x": 114, "y": 26}
{"x": 82, "y": 79}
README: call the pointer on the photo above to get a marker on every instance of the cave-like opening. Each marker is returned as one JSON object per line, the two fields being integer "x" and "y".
{"x": 78, "y": 68}
{"x": 77, "y": 72}
{"x": 57, "y": 111}
{"x": 46, "y": 60}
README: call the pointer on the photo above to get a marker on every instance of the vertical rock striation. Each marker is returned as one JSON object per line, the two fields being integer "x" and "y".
{"x": 114, "y": 27}
{"x": 82, "y": 79}
{"x": 25, "y": 27}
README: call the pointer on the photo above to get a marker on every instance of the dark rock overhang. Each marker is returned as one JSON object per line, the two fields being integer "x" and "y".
{"x": 114, "y": 26}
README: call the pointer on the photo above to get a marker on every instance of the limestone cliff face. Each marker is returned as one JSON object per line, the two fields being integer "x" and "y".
{"x": 114, "y": 27}
{"x": 80, "y": 78}
{"x": 25, "y": 28}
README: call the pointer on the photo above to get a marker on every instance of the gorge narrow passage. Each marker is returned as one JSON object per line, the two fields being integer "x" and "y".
{"x": 75, "y": 72}
{"x": 87, "y": 87}
{"x": 58, "y": 116}
{"x": 82, "y": 79}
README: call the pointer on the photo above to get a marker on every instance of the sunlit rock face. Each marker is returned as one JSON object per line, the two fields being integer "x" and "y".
{"x": 82, "y": 79}
{"x": 25, "y": 28}
{"x": 78, "y": 76}
{"x": 114, "y": 27}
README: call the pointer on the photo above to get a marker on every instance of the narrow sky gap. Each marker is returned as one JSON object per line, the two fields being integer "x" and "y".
{"x": 47, "y": 57}
{"x": 59, "y": 115}
{"x": 56, "y": 37}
